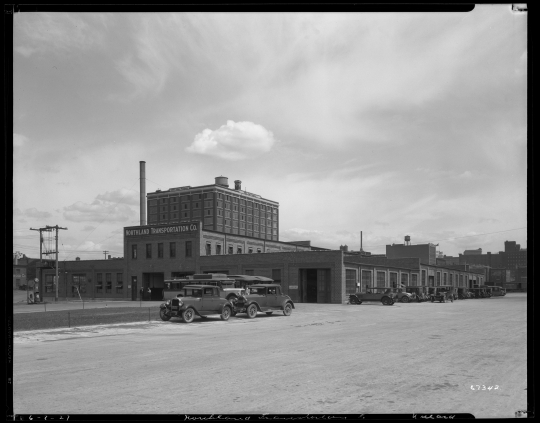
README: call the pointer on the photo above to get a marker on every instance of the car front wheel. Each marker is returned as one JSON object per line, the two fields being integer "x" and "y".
{"x": 404, "y": 299}
{"x": 252, "y": 311}
{"x": 226, "y": 313}
{"x": 287, "y": 310}
{"x": 163, "y": 314}
{"x": 188, "y": 315}
{"x": 385, "y": 301}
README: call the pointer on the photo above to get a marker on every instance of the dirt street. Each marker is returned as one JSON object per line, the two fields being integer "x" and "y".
{"x": 406, "y": 358}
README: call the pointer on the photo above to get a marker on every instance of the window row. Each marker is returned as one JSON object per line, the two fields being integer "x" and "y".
{"x": 149, "y": 250}
{"x": 230, "y": 249}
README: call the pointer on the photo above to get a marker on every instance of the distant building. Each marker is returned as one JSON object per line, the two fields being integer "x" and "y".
{"x": 24, "y": 270}
{"x": 427, "y": 253}
{"x": 472, "y": 252}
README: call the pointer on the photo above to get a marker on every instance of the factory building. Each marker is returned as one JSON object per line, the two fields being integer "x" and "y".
{"x": 216, "y": 229}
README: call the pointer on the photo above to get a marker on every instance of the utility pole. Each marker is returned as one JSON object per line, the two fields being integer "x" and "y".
{"x": 56, "y": 278}
{"x": 48, "y": 228}
{"x": 105, "y": 252}
{"x": 41, "y": 230}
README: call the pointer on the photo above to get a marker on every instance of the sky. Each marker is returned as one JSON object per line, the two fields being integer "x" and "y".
{"x": 392, "y": 124}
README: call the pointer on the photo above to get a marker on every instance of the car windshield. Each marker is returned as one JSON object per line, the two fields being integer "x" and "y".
{"x": 256, "y": 291}
{"x": 193, "y": 292}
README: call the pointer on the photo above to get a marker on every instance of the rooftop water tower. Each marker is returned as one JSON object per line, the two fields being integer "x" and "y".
{"x": 407, "y": 240}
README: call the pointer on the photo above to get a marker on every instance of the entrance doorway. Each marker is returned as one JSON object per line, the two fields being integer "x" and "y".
{"x": 431, "y": 281}
{"x": 154, "y": 282}
{"x": 314, "y": 285}
{"x": 311, "y": 285}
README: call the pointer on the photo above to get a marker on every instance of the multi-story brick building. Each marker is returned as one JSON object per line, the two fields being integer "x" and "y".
{"x": 219, "y": 207}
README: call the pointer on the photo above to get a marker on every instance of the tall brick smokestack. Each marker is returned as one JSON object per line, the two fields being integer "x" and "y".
{"x": 142, "y": 172}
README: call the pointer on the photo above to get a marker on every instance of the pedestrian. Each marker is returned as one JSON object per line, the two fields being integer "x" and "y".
{"x": 30, "y": 299}
{"x": 149, "y": 293}
{"x": 37, "y": 297}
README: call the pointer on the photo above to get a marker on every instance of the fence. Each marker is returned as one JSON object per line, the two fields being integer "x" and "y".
{"x": 74, "y": 318}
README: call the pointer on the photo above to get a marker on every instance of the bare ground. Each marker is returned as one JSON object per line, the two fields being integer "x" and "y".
{"x": 406, "y": 358}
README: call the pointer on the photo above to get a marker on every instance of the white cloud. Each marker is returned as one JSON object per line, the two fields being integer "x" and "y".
{"x": 234, "y": 141}
{"x": 32, "y": 213}
{"x": 121, "y": 195}
{"x": 89, "y": 228}
{"x": 19, "y": 140}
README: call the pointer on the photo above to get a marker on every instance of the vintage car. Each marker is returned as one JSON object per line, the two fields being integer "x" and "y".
{"x": 382, "y": 294}
{"x": 401, "y": 295}
{"x": 227, "y": 286}
{"x": 196, "y": 300}
{"x": 266, "y": 298}
{"x": 419, "y": 292}
{"x": 441, "y": 293}
{"x": 462, "y": 293}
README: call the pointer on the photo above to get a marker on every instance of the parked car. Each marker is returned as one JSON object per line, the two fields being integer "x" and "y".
{"x": 265, "y": 298}
{"x": 402, "y": 295}
{"x": 419, "y": 292}
{"x": 227, "y": 286}
{"x": 382, "y": 294}
{"x": 441, "y": 293}
{"x": 196, "y": 300}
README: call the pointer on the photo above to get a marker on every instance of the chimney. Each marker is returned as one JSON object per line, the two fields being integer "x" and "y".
{"x": 142, "y": 173}
{"x": 77, "y": 259}
{"x": 237, "y": 185}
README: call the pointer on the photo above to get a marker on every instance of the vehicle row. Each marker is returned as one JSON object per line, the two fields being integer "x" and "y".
{"x": 442, "y": 293}
{"x": 204, "y": 300}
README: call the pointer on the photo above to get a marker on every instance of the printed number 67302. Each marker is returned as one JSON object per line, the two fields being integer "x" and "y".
{"x": 483, "y": 387}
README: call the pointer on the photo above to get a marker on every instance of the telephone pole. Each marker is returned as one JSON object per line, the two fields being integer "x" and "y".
{"x": 105, "y": 252}
{"x": 48, "y": 228}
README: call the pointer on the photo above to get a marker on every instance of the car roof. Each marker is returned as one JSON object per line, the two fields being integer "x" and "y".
{"x": 200, "y": 286}
{"x": 264, "y": 285}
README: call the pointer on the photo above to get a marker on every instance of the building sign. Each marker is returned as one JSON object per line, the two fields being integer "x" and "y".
{"x": 190, "y": 227}
{"x": 293, "y": 286}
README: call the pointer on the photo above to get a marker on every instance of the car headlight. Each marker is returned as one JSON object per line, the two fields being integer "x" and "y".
{"x": 168, "y": 302}
{"x": 180, "y": 303}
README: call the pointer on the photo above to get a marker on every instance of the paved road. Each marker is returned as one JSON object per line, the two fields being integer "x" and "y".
{"x": 406, "y": 358}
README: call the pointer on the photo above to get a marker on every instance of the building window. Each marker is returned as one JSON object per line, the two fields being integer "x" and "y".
{"x": 414, "y": 279}
{"x": 208, "y": 249}
{"x": 172, "y": 249}
{"x": 444, "y": 278}
{"x": 451, "y": 280}
{"x": 350, "y": 281}
{"x": 239, "y": 250}
{"x": 134, "y": 251}
{"x": 424, "y": 278}
{"x": 78, "y": 284}
{"x": 218, "y": 249}
{"x": 188, "y": 248}
{"x": 230, "y": 251}
{"x": 119, "y": 283}
{"x": 99, "y": 283}
{"x": 250, "y": 250}
{"x": 393, "y": 279}
{"x": 405, "y": 279}
{"x": 381, "y": 279}
{"x": 160, "y": 250}
{"x": 108, "y": 281}
{"x": 366, "y": 278}
{"x": 148, "y": 251}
